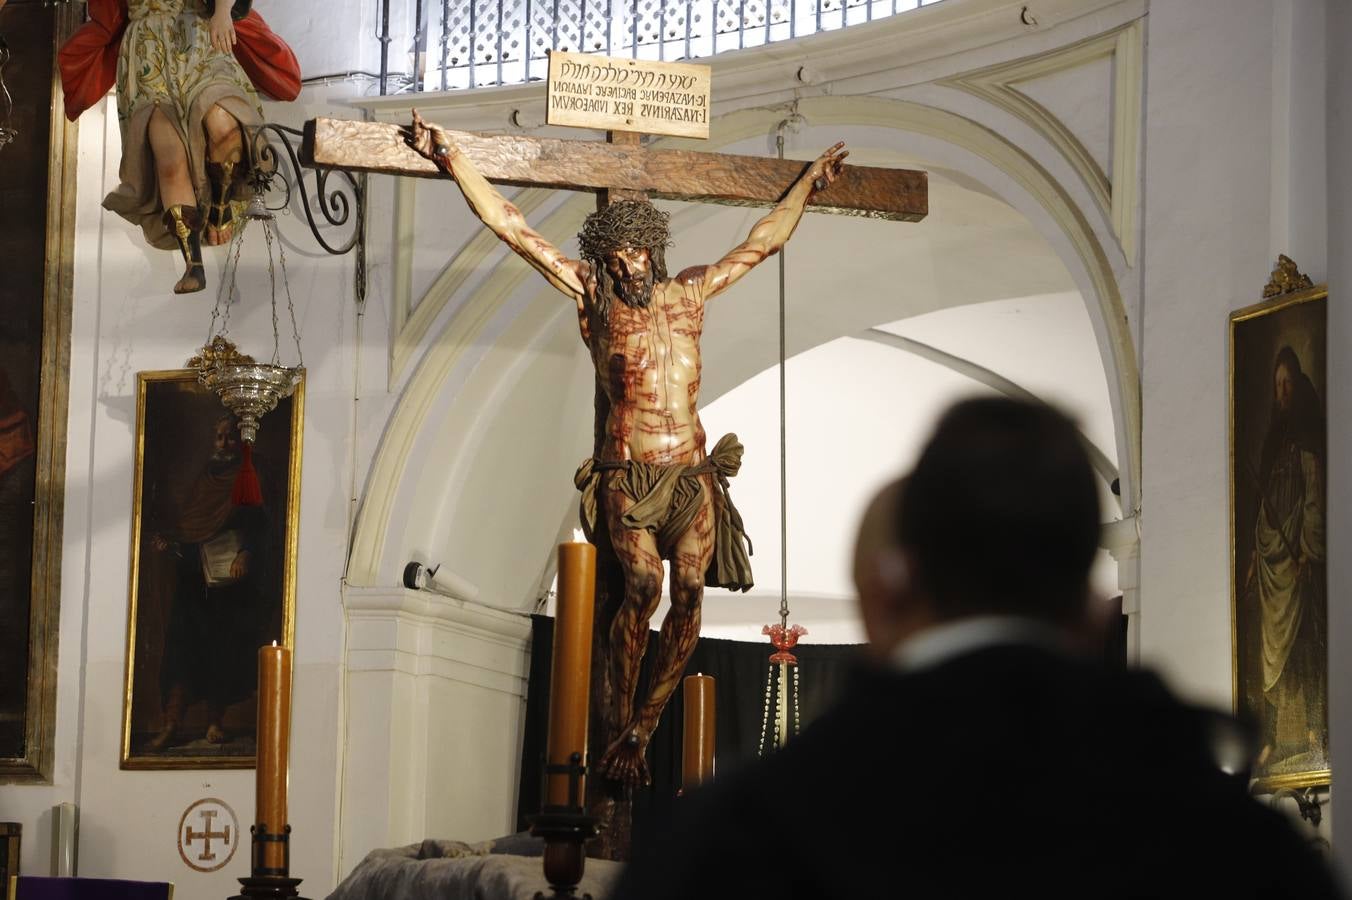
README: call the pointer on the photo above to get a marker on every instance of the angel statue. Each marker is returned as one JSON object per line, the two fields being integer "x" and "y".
{"x": 187, "y": 75}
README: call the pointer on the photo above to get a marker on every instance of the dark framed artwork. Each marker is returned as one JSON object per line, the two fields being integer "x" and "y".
{"x": 37, "y": 196}
{"x": 212, "y": 580}
{"x": 1278, "y": 499}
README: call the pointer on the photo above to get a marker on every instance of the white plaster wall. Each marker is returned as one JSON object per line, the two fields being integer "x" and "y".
{"x": 1208, "y": 161}
{"x": 1339, "y": 106}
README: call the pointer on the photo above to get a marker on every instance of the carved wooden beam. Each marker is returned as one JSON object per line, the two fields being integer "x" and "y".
{"x": 896, "y": 194}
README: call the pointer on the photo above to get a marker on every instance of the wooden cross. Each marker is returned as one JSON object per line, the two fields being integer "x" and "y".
{"x": 619, "y": 169}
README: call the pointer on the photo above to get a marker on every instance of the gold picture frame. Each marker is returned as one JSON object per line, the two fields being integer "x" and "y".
{"x": 31, "y": 720}
{"x": 211, "y": 580}
{"x": 1278, "y": 499}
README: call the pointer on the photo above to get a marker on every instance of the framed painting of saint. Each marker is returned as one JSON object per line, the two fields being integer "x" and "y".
{"x": 1278, "y": 501}
{"x": 213, "y": 574}
{"x": 37, "y": 196}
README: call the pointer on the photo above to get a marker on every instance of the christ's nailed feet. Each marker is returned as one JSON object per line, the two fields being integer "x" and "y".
{"x": 624, "y": 760}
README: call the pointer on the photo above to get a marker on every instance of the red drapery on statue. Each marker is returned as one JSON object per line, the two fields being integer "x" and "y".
{"x": 89, "y": 59}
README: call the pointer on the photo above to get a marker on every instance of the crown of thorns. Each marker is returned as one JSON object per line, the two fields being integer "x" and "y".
{"x": 623, "y": 224}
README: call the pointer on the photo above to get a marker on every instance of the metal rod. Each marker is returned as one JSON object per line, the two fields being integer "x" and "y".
{"x": 634, "y": 26}
{"x": 610, "y": 23}
{"x": 445, "y": 39}
{"x": 384, "y": 46}
{"x": 419, "y": 46}
{"x": 501, "y": 24}
{"x": 689, "y": 26}
{"x": 528, "y": 44}
{"x": 473, "y": 34}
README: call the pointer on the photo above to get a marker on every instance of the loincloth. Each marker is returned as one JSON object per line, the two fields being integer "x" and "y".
{"x": 666, "y": 500}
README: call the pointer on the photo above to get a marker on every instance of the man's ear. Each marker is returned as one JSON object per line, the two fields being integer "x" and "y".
{"x": 892, "y": 570}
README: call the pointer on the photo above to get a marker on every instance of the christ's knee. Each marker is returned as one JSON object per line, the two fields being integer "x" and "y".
{"x": 642, "y": 593}
{"x": 687, "y": 589}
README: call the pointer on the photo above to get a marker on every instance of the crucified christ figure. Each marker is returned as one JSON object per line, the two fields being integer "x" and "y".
{"x": 658, "y": 492}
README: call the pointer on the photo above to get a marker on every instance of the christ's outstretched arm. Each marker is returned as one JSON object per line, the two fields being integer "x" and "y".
{"x": 497, "y": 212}
{"x": 770, "y": 234}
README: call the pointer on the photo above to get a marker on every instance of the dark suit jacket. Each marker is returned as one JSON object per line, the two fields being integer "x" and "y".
{"x": 1007, "y": 772}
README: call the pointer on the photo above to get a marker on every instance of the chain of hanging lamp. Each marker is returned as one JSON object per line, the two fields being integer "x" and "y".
{"x": 247, "y": 388}
{"x": 781, "y": 690}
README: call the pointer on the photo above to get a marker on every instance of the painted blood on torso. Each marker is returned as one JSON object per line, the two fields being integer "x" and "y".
{"x": 652, "y": 373}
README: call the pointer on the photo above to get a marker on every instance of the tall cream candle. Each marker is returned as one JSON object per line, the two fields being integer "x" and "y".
{"x": 697, "y": 740}
{"x": 274, "y": 740}
{"x": 570, "y": 683}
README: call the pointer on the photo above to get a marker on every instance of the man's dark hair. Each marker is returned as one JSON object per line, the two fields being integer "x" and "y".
{"x": 1002, "y": 512}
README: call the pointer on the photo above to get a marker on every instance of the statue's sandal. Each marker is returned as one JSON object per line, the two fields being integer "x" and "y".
{"x": 185, "y": 224}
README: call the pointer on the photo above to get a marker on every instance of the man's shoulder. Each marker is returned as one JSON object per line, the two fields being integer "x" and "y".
{"x": 691, "y": 275}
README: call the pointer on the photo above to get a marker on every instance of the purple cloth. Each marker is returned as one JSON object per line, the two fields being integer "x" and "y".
{"x": 34, "y": 888}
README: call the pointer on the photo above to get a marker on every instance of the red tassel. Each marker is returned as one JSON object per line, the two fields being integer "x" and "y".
{"x": 246, "y": 491}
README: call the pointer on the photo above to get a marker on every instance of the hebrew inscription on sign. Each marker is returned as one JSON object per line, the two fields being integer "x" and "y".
{"x": 612, "y": 94}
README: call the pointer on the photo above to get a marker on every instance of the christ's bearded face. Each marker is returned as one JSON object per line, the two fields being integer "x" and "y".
{"x": 632, "y": 271}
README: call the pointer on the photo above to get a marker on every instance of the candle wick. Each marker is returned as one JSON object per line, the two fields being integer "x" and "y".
{"x": 274, "y": 643}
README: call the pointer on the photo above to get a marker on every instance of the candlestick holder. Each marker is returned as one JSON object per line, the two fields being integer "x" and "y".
{"x": 269, "y": 881}
{"x": 566, "y": 830}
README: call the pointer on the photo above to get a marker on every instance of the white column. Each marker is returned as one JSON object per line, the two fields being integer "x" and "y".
{"x": 436, "y": 693}
{"x": 1122, "y": 540}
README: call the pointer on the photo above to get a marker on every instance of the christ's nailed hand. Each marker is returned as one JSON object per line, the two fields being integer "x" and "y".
{"x": 826, "y": 168}
{"x": 430, "y": 141}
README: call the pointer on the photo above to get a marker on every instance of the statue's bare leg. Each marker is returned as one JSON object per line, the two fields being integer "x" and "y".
{"x": 680, "y": 628}
{"x": 181, "y": 216}
{"x": 225, "y": 145}
{"x": 625, "y": 759}
{"x": 636, "y": 551}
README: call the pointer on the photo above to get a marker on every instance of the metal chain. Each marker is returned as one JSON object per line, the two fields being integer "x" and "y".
{"x": 227, "y": 287}
{"x": 272, "y": 294}
{"x": 765, "y": 719}
{"x": 797, "y": 721}
{"x": 290, "y": 306}
{"x": 783, "y": 431}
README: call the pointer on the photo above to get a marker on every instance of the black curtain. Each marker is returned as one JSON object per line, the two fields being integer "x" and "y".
{"x": 739, "y": 669}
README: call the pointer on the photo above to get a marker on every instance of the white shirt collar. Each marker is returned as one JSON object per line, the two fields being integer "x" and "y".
{"x": 940, "y": 643}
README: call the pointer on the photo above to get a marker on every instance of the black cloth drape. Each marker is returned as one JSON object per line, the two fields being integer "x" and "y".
{"x": 739, "y": 669}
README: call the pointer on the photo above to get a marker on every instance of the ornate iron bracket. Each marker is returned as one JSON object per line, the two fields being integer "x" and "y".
{"x": 343, "y": 206}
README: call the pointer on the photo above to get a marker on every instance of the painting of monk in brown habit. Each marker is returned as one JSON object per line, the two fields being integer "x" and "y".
{"x": 1279, "y": 504}
{"x": 212, "y": 574}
